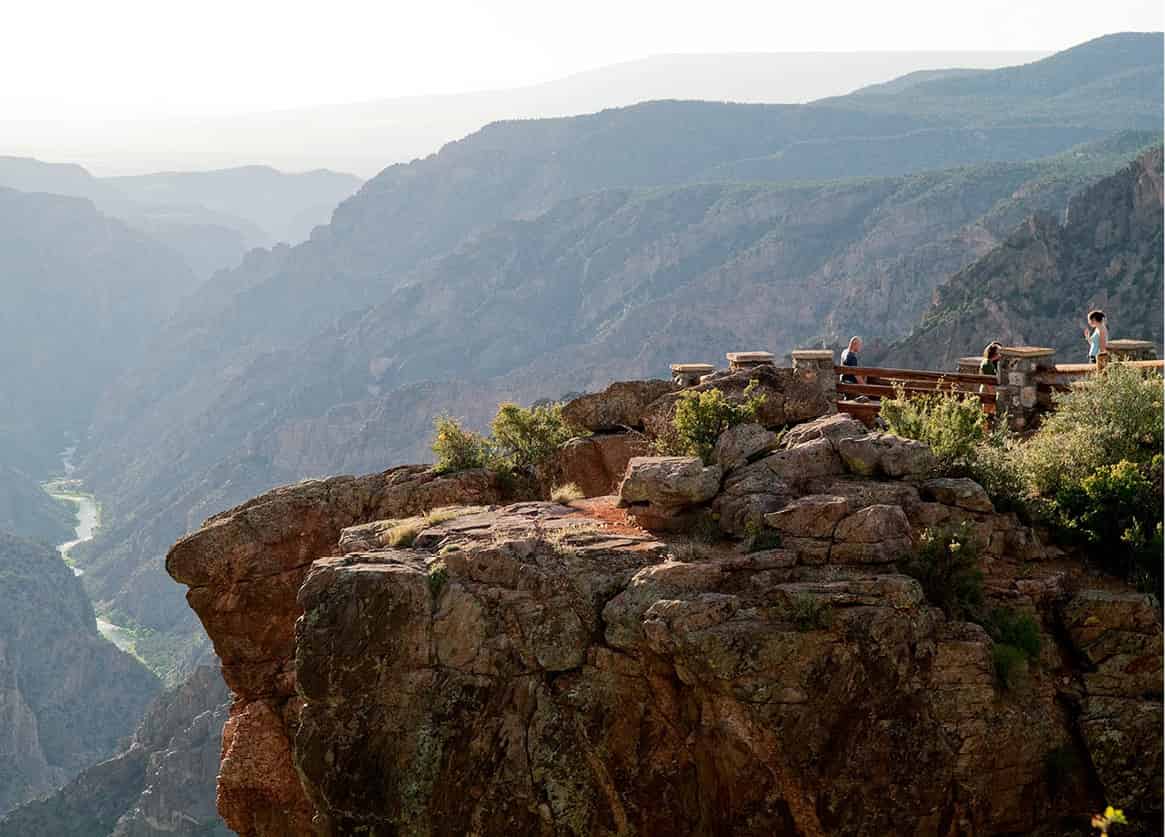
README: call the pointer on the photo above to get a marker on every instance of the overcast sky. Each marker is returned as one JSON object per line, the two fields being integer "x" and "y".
{"x": 69, "y": 59}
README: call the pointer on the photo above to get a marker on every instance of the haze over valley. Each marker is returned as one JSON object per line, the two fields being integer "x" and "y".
{"x": 197, "y": 309}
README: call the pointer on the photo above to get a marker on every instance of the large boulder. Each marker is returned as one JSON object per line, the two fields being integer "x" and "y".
{"x": 961, "y": 493}
{"x": 595, "y": 464}
{"x": 742, "y": 443}
{"x": 873, "y": 535}
{"x": 619, "y": 407}
{"x": 833, "y": 427}
{"x": 884, "y": 454}
{"x": 669, "y": 481}
{"x": 789, "y": 398}
{"x": 812, "y": 516}
{"x": 795, "y": 465}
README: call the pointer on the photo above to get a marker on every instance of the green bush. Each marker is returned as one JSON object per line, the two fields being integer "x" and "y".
{"x": 808, "y": 613}
{"x": 953, "y": 425}
{"x": 521, "y": 439}
{"x": 458, "y": 449}
{"x": 946, "y": 564}
{"x": 1009, "y": 663}
{"x": 1104, "y": 419}
{"x": 526, "y": 437}
{"x": 701, "y": 417}
{"x": 1018, "y": 630}
{"x": 1115, "y": 512}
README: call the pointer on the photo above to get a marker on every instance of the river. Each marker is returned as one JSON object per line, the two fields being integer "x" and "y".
{"x": 88, "y": 522}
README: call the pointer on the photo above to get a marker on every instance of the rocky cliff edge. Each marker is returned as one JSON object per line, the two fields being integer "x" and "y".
{"x": 531, "y": 667}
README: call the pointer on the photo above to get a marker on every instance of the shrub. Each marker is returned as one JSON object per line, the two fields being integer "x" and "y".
{"x": 701, "y": 417}
{"x": 1116, "y": 513}
{"x": 953, "y": 425}
{"x": 1009, "y": 662}
{"x": 566, "y": 493}
{"x": 526, "y": 437}
{"x": 1105, "y": 418}
{"x": 808, "y": 613}
{"x": 438, "y": 576}
{"x": 759, "y": 537}
{"x": 1018, "y": 630}
{"x": 458, "y": 449}
{"x": 946, "y": 564}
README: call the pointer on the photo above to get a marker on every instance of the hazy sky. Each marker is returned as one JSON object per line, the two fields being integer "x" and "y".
{"x": 138, "y": 58}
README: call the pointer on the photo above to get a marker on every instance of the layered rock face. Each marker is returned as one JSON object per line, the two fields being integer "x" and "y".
{"x": 163, "y": 783}
{"x": 67, "y": 696}
{"x": 544, "y": 669}
{"x": 1106, "y": 254}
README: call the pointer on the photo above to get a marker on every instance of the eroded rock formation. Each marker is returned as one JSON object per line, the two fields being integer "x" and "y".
{"x": 537, "y": 668}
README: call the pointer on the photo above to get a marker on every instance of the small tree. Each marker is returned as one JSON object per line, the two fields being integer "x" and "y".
{"x": 458, "y": 449}
{"x": 946, "y": 564}
{"x": 701, "y": 417}
{"x": 953, "y": 425}
{"x": 525, "y": 437}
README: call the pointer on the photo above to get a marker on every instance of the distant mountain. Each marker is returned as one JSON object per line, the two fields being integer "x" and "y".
{"x": 365, "y": 136}
{"x": 285, "y": 206}
{"x": 210, "y": 218}
{"x": 82, "y": 294}
{"x": 1038, "y": 285}
{"x": 67, "y": 696}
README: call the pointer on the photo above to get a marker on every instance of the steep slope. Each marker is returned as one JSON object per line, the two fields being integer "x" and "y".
{"x": 67, "y": 696}
{"x": 26, "y": 510}
{"x": 162, "y": 784}
{"x": 1036, "y": 287}
{"x": 82, "y": 293}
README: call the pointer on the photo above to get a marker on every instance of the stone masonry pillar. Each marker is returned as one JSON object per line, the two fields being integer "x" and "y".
{"x": 1017, "y": 391}
{"x": 815, "y": 367}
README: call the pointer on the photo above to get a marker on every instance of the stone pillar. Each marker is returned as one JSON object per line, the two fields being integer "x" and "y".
{"x": 738, "y": 361}
{"x": 815, "y": 367}
{"x": 1132, "y": 350}
{"x": 689, "y": 374}
{"x": 1017, "y": 394}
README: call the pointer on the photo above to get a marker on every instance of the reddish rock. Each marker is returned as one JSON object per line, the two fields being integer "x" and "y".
{"x": 596, "y": 464}
{"x": 244, "y": 568}
{"x": 621, "y": 406}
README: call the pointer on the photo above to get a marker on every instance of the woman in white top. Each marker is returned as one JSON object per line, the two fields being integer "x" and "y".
{"x": 1097, "y": 338}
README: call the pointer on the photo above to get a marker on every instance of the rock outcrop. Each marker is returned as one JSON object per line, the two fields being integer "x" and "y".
{"x": 244, "y": 569}
{"x": 548, "y": 669}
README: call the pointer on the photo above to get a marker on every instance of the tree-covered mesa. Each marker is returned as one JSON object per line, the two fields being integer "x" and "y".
{"x": 1092, "y": 472}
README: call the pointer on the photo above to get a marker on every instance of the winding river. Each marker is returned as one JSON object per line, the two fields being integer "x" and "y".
{"x": 88, "y": 522}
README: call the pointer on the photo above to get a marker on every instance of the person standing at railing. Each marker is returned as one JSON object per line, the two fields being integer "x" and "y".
{"x": 990, "y": 363}
{"x": 849, "y": 357}
{"x": 1097, "y": 339}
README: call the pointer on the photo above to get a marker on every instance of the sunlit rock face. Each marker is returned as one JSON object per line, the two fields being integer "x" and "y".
{"x": 558, "y": 669}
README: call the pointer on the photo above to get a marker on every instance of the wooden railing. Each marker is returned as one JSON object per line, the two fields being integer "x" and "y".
{"x": 881, "y": 382}
{"x": 1059, "y": 378}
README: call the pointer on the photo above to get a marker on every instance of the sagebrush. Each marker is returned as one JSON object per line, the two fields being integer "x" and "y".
{"x": 701, "y": 417}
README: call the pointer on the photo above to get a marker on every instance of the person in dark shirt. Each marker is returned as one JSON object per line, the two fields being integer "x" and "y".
{"x": 990, "y": 364}
{"x": 849, "y": 357}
